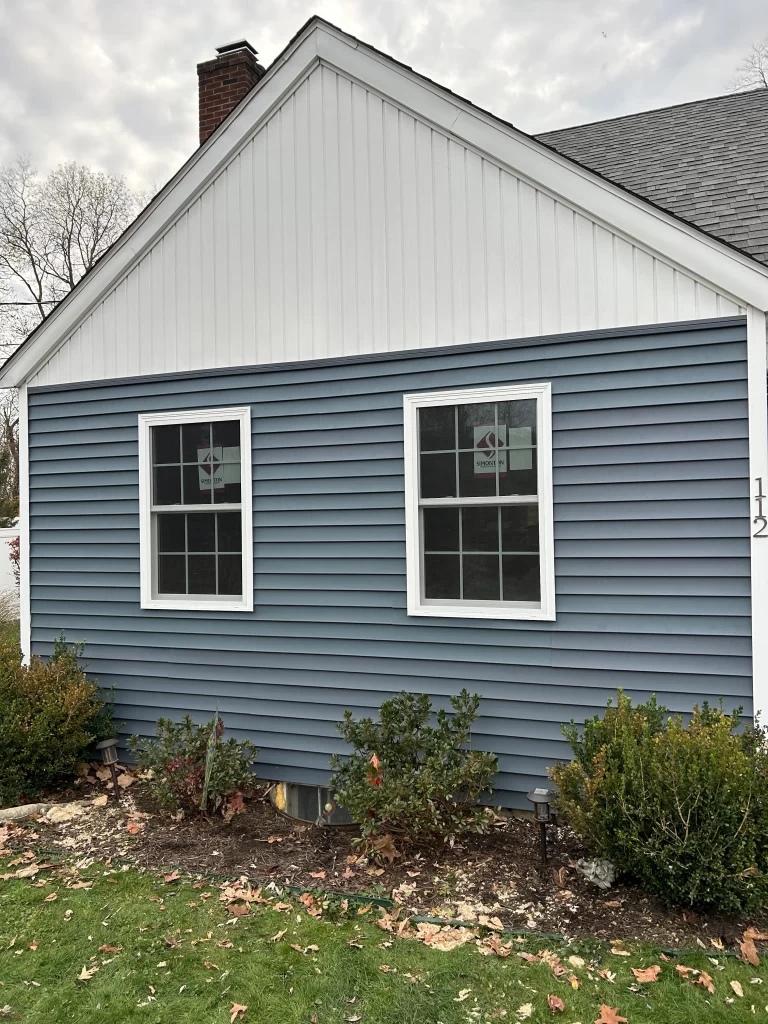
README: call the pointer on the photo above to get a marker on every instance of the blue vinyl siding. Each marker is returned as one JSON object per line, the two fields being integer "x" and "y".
{"x": 651, "y": 485}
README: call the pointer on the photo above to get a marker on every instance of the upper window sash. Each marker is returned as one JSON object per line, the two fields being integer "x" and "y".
{"x": 416, "y": 505}
{"x": 148, "y": 511}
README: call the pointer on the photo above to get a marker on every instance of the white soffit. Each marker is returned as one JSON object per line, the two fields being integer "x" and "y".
{"x": 347, "y": 207}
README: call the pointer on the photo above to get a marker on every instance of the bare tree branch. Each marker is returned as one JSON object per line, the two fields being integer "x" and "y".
{"x": 753, "y": 70}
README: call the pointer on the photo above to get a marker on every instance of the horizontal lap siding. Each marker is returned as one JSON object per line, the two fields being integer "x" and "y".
{"x": 651, "y": 546}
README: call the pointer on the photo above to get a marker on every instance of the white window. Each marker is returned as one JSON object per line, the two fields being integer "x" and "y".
{"x": 478, "y": 503}
{"x": 195, "y": 510}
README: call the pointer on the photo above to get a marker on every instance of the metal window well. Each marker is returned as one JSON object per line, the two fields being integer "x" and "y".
{"x": 309, "y": 803}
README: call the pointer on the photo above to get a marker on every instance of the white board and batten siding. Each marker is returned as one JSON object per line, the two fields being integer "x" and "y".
{"x": 345, "y": 226}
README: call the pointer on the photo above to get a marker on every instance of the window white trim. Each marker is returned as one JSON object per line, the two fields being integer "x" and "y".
{"x": 543, "y": 611}
{"x": 193, "y": 602}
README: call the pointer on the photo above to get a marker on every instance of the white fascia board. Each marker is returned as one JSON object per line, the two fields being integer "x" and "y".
{"x": 714, "y": 263}
{"x": 172, "y": 200}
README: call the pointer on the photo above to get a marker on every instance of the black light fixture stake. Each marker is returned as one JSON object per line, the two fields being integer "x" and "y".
{"x": 108, "y": 750}
{"x": 542, "y": 813}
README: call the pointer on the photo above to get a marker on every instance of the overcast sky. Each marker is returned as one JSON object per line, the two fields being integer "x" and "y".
{"x": 112, "y": 83}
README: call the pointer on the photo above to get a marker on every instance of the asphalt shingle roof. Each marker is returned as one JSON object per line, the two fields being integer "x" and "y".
{"x": 706, "y": 162}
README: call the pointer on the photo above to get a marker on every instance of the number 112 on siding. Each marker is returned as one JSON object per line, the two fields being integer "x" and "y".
{"x": 760, "y": 520}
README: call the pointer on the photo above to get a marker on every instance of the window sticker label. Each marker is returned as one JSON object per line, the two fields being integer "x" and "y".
{"x": 211, "y": 464}
{"x": 487, "y": 441}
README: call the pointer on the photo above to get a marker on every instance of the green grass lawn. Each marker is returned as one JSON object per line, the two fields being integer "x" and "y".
{"x": 178, "y": 960}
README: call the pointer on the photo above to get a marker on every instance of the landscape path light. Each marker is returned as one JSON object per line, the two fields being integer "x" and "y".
{"x": 542, "y": 812}
{"x": 108, "y": 750}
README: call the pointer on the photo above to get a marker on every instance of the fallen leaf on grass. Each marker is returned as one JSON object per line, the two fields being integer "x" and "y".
{"x": 647, "y": 974}
{"x": 51, "y": 897}
{"x": 109, "y": 949}
{"x": 529, "y": 958}
{"x": 464, "y": 994}
{"x": 87, "y": 973}
{"x": 34, "y": 945}
{"x": 239, "y": 910}
{"x": 278, "y": 935}
{"x": 555, "y": 1004}
{"x": 237, "y": 1012}
{"x": 283, "y": 907}
{"x": 620, "y": 952}
{"x": 576, "y": 961}
{"x": 68, "y": 915}
{"x": 524, "y": 1012}
{"x": 736, "y": 986}
{"x": 748, "y": 947}
{"x": 80, "y": 885}
{"x": 697, "y": 977}
{"x": 172, "y": 877}
{"x": 100, "y": 801}
{"x": 610, "y": 1015}
{"x": 348, "y": 873}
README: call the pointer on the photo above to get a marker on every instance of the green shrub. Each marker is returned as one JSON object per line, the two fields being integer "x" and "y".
{"x": 412, "y": 779}
{"x": 189, "y": 768}
{"x": 46, "y": 710}
{"x": 681, "y": 809}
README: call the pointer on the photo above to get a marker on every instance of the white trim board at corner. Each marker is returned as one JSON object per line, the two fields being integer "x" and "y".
{"x": 195, "y": 603}
{"x": 681, "y": 247}
{"x": 417, "y": 605}
{"x": 25, "y": 601}
{"x": 758, "y": 471}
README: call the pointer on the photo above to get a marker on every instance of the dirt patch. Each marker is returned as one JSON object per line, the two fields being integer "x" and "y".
{"x": 497, "y": 875}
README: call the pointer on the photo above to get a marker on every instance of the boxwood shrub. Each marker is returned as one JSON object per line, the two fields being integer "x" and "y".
{"x": 680, "y": 808}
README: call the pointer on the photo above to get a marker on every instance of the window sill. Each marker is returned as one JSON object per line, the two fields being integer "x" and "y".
{"x": 469, "y": 611}
{"x": 197, "y": 605}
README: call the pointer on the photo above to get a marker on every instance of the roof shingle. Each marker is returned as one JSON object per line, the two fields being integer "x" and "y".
{"x": 706, "y": 162}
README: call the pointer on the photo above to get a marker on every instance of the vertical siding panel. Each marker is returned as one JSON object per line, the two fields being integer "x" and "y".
{"x": 235, "y": 280}
{"x": 644, "y": 287}
{"x": 211, "y": 272}
{"x": 529, "y": 245}
{"x": 425, "y": 211}
{"x": 264, "y": 261}
{"x": 605, "y": 273}
{"x": 96, "y": 352}
{"x": 459, "y": 243}
{"x": 494, "y": 251}
{"x": 166, "y": 315}
{"x": 587, "y": 263}
{"x": 626, "y": 301}
{"x": 514, "y": 298}
{"x": 248, "y": 248}
{"x": 548, "y": 264}
{"x": 410, "y": 232}
{"x": 133, "y": 300}
{"x": 361, "y": 156}
{"x": 685, "y": 291}
{"x": 349, "y": 270}
{"x": 292, "y": 296}
{"x": 568, "y": 275}
{"x": 304, "y": 278}
{"x": 183, "y": 298}
{"x": 378, "y": 213}
{"x": 665, "y": 292}
{"x": 443, "y": 241}
{"x": 706, "y": 301}
{"x": 276, "y": 238}
{"x": 110, "y": 335}
{"x": 393, "y": 201}
{"x": 333, "y": 199}
{"x": 220, "y": 324}
{"x": 320, "y": 268}
{"x": 476, "y": 249}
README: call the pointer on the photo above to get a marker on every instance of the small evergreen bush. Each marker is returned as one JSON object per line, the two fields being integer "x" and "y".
{"x": 189, "y": 768}
{"x": 46, "y": 710}
{"x": 682, "y": 809}
{"x": 412, "y": 779}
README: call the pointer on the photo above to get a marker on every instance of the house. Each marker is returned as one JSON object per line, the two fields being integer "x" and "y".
{"x": 380, "y": 392}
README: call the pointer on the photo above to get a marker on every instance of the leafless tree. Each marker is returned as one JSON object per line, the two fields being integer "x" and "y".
{"x": 753, "y": 70}
{"x": 52, "y": 231}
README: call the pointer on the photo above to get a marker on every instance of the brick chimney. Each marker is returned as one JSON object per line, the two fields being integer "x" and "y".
{"x": 223, "y": 81}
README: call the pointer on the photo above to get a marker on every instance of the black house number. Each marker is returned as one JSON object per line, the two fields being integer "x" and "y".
{"x": 760, "y": 520}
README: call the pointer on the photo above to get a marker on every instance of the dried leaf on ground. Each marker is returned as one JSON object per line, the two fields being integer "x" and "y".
{"x": 278, "y": 935}
{"x": 696, "y": 977}
{"x": 647, "y": 974}
{"x": 464, "y": 994}
{"x": 234, "y": 804}
{"x": 610, "y": 1015}
{"x": 317, "y": 874}
{"x": 736, "y": 986}
{"x": 134, "y": 827}
{"x": 748, "y": 948}
{"x": 172, "y": 877}
{"x": 87, "y": 973}
{"x": 239, "y": 910}
{"x": 100, "y": 801}
{"x": 274, "y": 839}
{"x": 237, "y": 1012}
{"x": 524, "y": 1012}
{"x": 109, "y": 949}
{"x": 560, "y": 877}
{"x": 51, "y": 897}
{"x": 385, "y": 847}
{"x": 555, "y": 1004}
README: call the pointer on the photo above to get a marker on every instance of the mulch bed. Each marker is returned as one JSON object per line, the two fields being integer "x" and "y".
{"x": 499, "y": 875}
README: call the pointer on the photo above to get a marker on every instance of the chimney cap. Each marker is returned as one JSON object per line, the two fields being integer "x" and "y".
{"x": 241, "y": 44}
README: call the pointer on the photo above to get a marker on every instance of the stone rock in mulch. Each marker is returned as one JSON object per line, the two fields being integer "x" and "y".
{"x": 59, "y": 813}
{"x": 601, "y": 873}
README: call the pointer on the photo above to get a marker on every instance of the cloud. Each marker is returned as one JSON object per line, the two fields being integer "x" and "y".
{"x": 114, "y": 84}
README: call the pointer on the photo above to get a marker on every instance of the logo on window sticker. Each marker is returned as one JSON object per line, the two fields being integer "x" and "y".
{"x": 487, "y": 441}
{"x": 213, "y": 471}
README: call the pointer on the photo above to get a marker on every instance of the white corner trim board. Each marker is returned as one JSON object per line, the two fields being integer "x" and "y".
{"x": 25, "y": 606}
{"x": 147, "y": 541}
{"x": 758, "y": 472}
{"x": 418, "y": 604}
